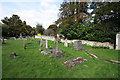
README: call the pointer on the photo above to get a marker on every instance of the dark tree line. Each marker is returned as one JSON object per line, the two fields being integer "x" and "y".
{"x": 75, "y": 21}
{"x": 13, "y": 26}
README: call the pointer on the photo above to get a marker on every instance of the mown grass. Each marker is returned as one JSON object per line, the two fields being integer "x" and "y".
{"x": 106, "y": 53}
{"x": 33, "y": 64}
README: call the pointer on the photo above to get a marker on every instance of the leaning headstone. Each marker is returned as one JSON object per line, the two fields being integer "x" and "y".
{"x": 118, "y": 41}
{"x": 46, "y": 43}
{"x": 78, "y": 45}
{"x": 66, "y": 43}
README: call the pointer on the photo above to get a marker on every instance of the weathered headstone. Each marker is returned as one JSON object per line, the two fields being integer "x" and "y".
{"x": 118, "y": 41}
{"x": 66, "y": 43}
{"x": 20, "y": 36}
{"x": 73, "y": 62}
{"x": 52, "y": 52}
{"x": 13, "y": 55}
{"x": 78, "y": 45}
{"x": 46, "y": 43}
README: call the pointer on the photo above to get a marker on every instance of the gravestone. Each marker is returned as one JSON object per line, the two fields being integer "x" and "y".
{"x": 37, "y": 41}
{"x": 13, "y": 55}
{"x": 73, "y": 62}
{"x": 66, "y": 43}
{"x": 78, "y": 45}
{"x": 20, "y": 36}
{"x": 46, "y": 43}
{"x": 118, "y": 41}
{"x": 52, "y": 52}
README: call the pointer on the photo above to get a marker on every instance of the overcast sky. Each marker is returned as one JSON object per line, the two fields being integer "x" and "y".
{"x": 44, "y": 12}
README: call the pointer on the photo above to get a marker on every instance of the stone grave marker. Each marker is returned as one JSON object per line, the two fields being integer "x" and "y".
{"x": 78, "y": 45}
{"x": 13, "y": 55}
{"x": 52, "y": 52}
{"x": 118, "y": 41}
{"x": 20, "y": 36}
{"x": 66, "y": 43}
{"x": 73, "y": 62}
{"x": 46, "y": 43}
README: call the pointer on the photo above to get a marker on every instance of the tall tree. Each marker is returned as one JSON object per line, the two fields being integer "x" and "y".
{"x": 39, "y": 29}
{"x": 14, "y": 24}
{"x": 72, "y": 13}
{"x": 107, "y": 18}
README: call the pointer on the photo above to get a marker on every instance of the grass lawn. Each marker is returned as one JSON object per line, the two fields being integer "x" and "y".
{"x": 33, "y": 64}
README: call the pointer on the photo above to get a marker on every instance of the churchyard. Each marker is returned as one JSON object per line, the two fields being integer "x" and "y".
{"x": 89, "y": 62}
{"x": 82, "y": 40}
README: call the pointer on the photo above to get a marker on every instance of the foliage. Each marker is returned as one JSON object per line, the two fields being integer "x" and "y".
{"x": 13, "y": 26}
{"x": 105, "y": 23}
{"x": 49, "y": 32}
{"x": 39, "y": 29}
{"x": 107, "y": 17}
{"x": 73, "y": 12}
{"x": 55, "y": 29}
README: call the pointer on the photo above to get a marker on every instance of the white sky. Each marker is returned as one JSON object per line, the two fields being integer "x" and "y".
{"x": 44, "y": 12}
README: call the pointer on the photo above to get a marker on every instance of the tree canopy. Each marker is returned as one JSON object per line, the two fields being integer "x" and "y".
{"x": 13, "y": 26}
{"x": 39, "y": 29}
{"x": 75, "y": 20}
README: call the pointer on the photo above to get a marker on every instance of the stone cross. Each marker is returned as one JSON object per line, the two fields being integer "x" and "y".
{"x": 46, "y": 43}
{"x": 66, "y": 44}
{"x": 118, "y": 41}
